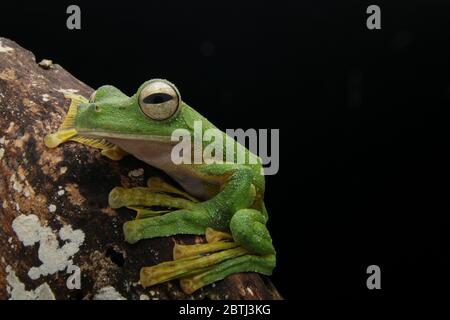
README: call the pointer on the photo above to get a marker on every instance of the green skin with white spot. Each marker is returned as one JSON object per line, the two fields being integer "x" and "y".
{"x": 232, "y": 194}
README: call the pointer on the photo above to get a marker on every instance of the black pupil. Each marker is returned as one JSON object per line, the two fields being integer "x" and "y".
{"x": 157, "y": 98}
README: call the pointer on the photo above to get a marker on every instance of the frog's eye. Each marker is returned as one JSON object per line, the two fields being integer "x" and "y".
{"x": 159, "y": 100}
{"x": 92, "y": 97}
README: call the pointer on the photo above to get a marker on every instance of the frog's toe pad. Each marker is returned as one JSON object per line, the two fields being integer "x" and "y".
{"x": 115, "y": 198}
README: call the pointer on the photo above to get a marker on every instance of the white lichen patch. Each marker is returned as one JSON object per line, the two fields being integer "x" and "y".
{"x": 67, "y": 91}
{"x": 61, "y": 192}
{"x": 136, "y": 173}
{"x": 19, "y": 143}
{"x": 8, "y": 74}
{"x": 4, "y": 48}
{"x": 2, "y": 153}
{"x": 10, "y": 127}
{"x": 20, "y": 184}
{"x": 108, "y": 293}
{"x": 16, "y": 184}
{"x": 16, "y": 289}
{"x": 28, "y": 229}
{"x": 144, "y": 297}
{"x": 63, "y": 170}
{"x": 45, "y": 97}
{"x": 53, "y": 257}
{"x": 52, "y": 208}
{"x": 27, "y": 191}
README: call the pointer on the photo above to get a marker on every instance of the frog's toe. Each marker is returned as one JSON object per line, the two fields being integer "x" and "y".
{"x": 145, "y": 198}
{"x": 115, "y": 198}
{"x": 213, "y": 235}
{"x": 142, "y": 212}
{"x": 181, "y": 251}
{"x": 185, "y": 267}
{"x": 132, "y": 232}
{"x": 157, "y": 184}
{"x": 240, "y": 263}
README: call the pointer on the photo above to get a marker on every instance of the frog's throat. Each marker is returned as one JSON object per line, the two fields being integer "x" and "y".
{"x": 68, "y": 132}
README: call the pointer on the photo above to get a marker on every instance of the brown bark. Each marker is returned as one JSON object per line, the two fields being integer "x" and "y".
{"x": 69, "y": 186}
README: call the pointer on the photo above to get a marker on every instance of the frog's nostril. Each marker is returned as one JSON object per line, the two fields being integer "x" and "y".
{"x": 97, "y": 108}
{"x": 82, "y": 107}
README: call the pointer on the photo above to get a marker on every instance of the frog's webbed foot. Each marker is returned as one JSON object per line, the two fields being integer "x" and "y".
{"x": 202, "y": 264}
{"x": 236, "y": 262}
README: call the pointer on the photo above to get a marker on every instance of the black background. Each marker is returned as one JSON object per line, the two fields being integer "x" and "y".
{"x": 362, "y": 116}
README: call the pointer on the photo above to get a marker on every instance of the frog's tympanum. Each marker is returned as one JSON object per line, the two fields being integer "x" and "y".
{"x": 223, "y": 201}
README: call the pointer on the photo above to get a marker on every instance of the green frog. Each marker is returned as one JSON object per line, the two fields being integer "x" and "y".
{"x": 223, "y": 200}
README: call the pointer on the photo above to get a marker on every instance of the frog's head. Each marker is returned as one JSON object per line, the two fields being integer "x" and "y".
{"x": 155, "y": 110}
{"x": 110, "y": 116}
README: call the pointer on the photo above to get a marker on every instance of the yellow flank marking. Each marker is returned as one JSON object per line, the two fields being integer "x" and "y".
{"x": 95, "y": 143}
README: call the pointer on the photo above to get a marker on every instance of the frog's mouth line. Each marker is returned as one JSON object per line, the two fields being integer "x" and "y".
{"x": 116, "y": 135}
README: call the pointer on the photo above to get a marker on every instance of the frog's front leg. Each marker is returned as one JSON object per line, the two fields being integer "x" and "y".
{"x": 237, "y": 193}
{"x": 186, "y": 219}
{"x": 143, "y": 199}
